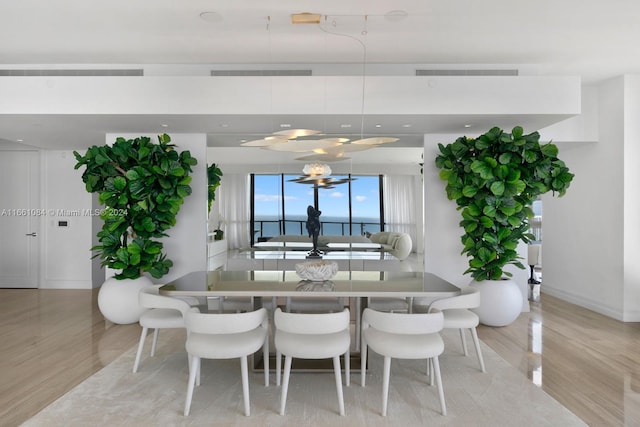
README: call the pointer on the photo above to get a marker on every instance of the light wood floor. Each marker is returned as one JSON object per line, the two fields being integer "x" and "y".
{"x": 52, "y": 340}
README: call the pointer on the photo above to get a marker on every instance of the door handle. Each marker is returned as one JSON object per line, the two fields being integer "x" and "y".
{"x": 34, "y": 234}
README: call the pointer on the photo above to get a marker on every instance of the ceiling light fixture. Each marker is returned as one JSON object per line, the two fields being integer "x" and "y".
{"x": 305, "y": 18}
{"x": 318, "y": 175}
{"x": 325, "y": 149}
{"x": 213, "y": 17}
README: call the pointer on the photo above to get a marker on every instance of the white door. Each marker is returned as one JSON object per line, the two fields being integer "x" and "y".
{"x": 20, "y": 218}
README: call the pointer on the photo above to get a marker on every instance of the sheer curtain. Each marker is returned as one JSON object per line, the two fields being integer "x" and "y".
{"x": 399, "y": 204}
{"x": 234, "y": 208}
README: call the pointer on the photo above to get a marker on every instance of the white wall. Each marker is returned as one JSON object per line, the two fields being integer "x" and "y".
{"x": 186, "y": 245}
{"x": 443, "y": 247}
{"x": 65, "y": 259}
{"x": 442, "y": 233}
{"x": 187, "y": 241}
{"x": 584, "y": 231}
{"x": 524, "y": 95}
{"x": 631, "y": 288}
{"x": 592, "y": 234}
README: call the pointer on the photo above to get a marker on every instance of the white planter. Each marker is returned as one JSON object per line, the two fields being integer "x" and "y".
{"x": 500, "y": 302}
{"x": 118, "y": 299}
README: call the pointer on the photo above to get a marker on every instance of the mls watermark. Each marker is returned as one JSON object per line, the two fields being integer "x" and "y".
{"x": 63, "y": 212}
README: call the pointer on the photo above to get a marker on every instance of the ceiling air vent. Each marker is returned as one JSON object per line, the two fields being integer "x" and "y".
{"x": 71, "y": 73}
{"x": 466, "y": 72}
{"x": 268, "y": 73}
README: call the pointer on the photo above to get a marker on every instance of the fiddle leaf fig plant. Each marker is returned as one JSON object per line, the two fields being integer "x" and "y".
{"x": 142, "y": 185}
{"x": 214, "y": 175}
{"x": 494, "y": 180}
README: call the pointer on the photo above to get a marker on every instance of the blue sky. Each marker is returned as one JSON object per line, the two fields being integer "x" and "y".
{"x": 333, "y": 202}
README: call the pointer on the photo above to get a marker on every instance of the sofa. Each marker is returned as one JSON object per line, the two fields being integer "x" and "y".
{"x": 397, "y": 244}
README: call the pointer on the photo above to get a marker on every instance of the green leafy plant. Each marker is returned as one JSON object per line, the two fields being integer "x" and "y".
{"x": 494, "y": 180}
{"x": 142, "y": 186}
{"x": 214, "y": 175}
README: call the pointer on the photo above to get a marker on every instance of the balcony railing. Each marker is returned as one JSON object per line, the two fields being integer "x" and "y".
{"x": 265, "y": 229}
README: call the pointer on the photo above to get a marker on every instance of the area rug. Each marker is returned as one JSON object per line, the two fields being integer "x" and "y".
{"x": 155, "y": 395}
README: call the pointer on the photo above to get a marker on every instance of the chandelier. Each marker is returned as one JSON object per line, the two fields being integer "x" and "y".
{"x": 306, "y": 140}
{"x": 318, "y": 175}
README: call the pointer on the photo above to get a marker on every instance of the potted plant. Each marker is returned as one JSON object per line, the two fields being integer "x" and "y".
{"x": 218, "y": 233}
{"x": 214, "y": 180}
{"x": 142, "y": 185}
{"x": 494, "y": 180}
{"x": 214, "y": 175}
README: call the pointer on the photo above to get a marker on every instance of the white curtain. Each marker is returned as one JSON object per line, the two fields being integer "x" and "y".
{"x": 234, "y": 208}
{"x": 399, "y": 204}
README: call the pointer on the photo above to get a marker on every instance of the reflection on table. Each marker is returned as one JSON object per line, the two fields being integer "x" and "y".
{"x": 285, "y": 283}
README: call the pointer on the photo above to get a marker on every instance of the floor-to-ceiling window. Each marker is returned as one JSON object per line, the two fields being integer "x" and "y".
{"x": 279, "y": 205}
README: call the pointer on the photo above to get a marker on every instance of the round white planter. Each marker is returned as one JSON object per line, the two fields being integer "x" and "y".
{"x": 500, "y": 302}
{"x": 118, "y": 299}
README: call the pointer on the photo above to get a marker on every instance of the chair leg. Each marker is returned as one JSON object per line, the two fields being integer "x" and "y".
{"x": 436, "y": 369}
{"x": 363, "y": 362}
{"x": 195, "y": 361}
{"x": 338, "y": 374}
{"x": 285, "y": 383}
{"x": 278, "y": 367}
{"x": 143, "y": 337}
{"x": 265, "y": 357}
{"x": 430, "y": 371}
{"x": 245, "y": 384}
{"x": 463, "y": 338}
{"x": 347, "y": 368}
{"x": 358, "y": 331}
{"x": 156, "y": 332}
{"x": 476, "y": 343}
{"x": 386, "y": 373}
{"x": 198, "y": 367}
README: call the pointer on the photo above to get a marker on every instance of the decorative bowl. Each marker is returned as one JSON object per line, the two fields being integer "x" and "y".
{"x": 317, "y": 271}
{"x": 311, "y": 286}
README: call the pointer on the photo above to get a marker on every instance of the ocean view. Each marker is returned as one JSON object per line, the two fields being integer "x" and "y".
{"x": 269, "y": 225}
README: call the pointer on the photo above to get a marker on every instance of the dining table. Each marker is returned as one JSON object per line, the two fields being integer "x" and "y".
{"x": 269, "y": 285}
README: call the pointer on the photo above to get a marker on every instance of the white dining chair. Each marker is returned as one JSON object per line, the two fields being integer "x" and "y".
{"x": 458, "y": 316}
{"x": 162, "y": 313}
{"x": 403, "y": 336}
{"x": 226, "y": 336}
{"x": 315, "y": 304}
{"x": 390, "y": 304}
{"x": 312, "y": 336}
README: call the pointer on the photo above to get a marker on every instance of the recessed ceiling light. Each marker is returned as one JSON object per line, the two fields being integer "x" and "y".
{"x": 285, "y": 125}
{"x": 211, "y": 17}
{"x": 243, "y": 140}
{"x": 406, "y": 125}
{"x": 345, "y": 125}
{"x": 164, "y": 125}
{"x": 396, "y": 15}
{"x": 224, "y": 125}
{"x": 19, "y": 140}
{"x": 378, "y": 125}
{"x": 467, "y": 126}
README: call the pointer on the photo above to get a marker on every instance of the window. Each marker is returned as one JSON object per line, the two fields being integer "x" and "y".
{"x": 279, "y": 206}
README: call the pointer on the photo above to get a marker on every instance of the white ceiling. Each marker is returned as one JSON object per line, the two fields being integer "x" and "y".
{"x": 595, "y": 39}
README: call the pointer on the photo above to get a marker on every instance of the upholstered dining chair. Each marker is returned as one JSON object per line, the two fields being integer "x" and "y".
{"x": 162, "y": 313}
{"x": 226, "y": 336}
{"x": 403, "y": 336}
{"x": 390, "y": 304}
{"x": 458, "y": 316}
{"x": 312, "y": 336}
